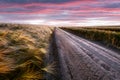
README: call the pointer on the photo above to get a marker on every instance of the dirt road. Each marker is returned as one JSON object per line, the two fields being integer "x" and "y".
{"x": 81, "y": 59}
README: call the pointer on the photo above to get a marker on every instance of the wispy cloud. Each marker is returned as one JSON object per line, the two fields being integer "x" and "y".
{"x": 62, "y": 11}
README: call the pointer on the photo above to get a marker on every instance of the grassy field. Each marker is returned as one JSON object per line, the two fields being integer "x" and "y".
{"x": 22, "y": 52}
{"x": 108, "y": 35}
{"x": 23, "y": 48}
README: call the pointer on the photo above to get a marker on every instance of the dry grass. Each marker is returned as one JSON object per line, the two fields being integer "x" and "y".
{"x": 50, "y": 68}
{"x": 22, "y": 52}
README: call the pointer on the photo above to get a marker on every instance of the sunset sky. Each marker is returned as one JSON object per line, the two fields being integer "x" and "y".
{"x": 61, "y": 12}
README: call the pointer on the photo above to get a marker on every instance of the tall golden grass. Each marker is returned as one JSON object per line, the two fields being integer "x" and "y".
{"x": 22, "y": 53}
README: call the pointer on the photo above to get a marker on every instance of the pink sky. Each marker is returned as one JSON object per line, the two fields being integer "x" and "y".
{"x": 61, "y": 12}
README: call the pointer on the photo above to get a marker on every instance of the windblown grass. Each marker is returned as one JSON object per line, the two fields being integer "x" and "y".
{"x": 22, "y": 52}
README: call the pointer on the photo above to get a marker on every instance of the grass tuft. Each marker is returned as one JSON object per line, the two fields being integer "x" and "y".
{"x": 50, "y": 68}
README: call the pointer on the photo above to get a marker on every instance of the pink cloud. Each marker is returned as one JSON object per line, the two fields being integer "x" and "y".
{"x": 71, "y": 11}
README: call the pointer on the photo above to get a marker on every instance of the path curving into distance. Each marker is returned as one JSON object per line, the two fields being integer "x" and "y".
{"x": 81, "y": 59}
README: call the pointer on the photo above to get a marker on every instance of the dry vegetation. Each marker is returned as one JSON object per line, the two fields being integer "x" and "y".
{"x": 108, "y": 35}
{"x": 22, "y": 52}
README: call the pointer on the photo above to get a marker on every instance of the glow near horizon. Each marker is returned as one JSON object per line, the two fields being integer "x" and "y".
{"x": 61, "y": 13}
